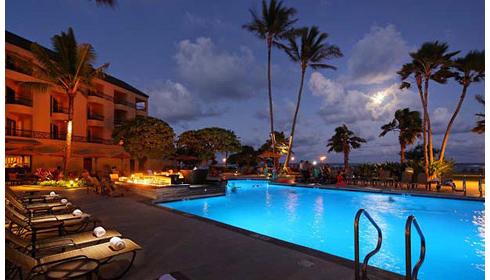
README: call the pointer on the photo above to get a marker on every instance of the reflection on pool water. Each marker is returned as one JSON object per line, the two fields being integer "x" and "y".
{"x": 323, "y": 219}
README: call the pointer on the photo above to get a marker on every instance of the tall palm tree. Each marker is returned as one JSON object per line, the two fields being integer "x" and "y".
{"x": 70, "y": 67}
{"x": 343, "y": 141}
{"x": 409, "y": 126}
{"x": 273, "y": 24}
{"x": 468, "y": 70}
{"x": 480, "y": 124}
{"x": 311, "y": 51}
{"x": 430, "y": 62}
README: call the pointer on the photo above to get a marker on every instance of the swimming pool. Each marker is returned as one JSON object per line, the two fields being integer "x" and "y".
{"x": 323, "y": 219}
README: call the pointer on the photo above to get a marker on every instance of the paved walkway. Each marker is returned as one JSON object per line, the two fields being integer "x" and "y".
{"x": 198, "y": 249}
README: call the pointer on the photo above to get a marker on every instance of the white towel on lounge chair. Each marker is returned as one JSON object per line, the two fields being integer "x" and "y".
{"x": 52, "y": 194}
{"x": 99, "y": 232}
{"x": 77, "y": 212}
{"x": 68, "y": 204}
{"x": 117, "y": 243}
{"x": 64, "y": 201}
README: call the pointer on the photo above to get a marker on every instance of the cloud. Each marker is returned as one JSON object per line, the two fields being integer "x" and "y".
{"x": 341, "y": 105}
{"x": 216, "y": 74}
{"x": 377, "y": 56}
{"x": 173, "y": 102}
{"x": 440, "y": 117}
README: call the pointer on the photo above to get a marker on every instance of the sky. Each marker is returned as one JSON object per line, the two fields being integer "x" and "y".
{"x": 202, "y": 69}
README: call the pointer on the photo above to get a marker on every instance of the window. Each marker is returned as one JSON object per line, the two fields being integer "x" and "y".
{"x": 11, "y": 127}
{"x": 55, "y": 133}
{"x": 10, "y": 95}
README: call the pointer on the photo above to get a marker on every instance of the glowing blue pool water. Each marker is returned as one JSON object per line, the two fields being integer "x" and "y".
{"x": 323, "y": 220}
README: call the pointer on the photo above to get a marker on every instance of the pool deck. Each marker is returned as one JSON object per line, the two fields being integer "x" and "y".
{"x": 174, "y": 242}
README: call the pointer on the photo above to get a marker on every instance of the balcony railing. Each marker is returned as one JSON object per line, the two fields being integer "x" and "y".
{"x": 55, "y": 136}
{"x": 124, "y": 102}
{"x": 100, "y": 94}
{"x": 19, "y": 100}
{"x": 93, "y": 116}
{"x": 59, "y": 109}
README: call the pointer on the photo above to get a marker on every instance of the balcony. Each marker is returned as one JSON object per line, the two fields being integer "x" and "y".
{"x": 122, "y": 101}
{"x": 18, "y": 105}
{"x": 98, "y": 94}
{"x": 55, "y": 136}
{"x": 19, "y": 101}
{"x": 93, "y": 116}
{"x": 59, "y": 113}
{"x": 59, "y": 109}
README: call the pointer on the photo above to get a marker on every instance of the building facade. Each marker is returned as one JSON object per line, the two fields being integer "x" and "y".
{"x": 36, "y": 121}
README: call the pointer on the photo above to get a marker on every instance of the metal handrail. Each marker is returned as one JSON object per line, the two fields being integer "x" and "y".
{"x": 409, "y": 273}
{"x": 363, "y": 269}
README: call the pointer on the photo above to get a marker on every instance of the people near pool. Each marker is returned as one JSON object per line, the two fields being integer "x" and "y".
{"x": 340, "y": 179}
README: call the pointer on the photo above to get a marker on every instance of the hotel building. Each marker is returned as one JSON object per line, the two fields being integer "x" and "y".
{"x": 36, "y": 121}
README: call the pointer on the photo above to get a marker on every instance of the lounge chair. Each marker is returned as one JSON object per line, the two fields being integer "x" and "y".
{"x": 31, "y": 196}
{"x": 36, "y": 208}
{"x": 73, "y": 241}
{"x": 46, "y": 226}
{"x": 68, "y": 264}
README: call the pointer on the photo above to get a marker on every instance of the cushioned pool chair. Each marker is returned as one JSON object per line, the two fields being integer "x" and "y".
{"x": 40, "y": 208}
{"x": 68, "y": 264}
{"x": 70, "y": 241}
{"x": 33, "y": 196}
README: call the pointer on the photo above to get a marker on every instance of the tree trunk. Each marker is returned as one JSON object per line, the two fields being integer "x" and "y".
{"x": 293, "y": 127}
{"x": 424, "y": 127}
{"x": 269, "y": 85}
{"x": 346, "y": 160}
{"x": 141, "y": 163}
{"x": 451, "y": 121}
{"x": 402, "y": 152}
{"x": 429, "y": 128}
{"x": 69, "y": 133}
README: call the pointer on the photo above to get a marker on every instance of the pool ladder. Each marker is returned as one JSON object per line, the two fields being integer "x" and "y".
{"x": 361, "y": 271}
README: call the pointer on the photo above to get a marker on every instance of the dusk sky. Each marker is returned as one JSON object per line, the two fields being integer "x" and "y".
{"x": 202, "y": 69}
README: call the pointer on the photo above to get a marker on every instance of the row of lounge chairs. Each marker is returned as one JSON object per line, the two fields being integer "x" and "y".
{"x": 406, "y": 181}
{"x": 48, "y": 236}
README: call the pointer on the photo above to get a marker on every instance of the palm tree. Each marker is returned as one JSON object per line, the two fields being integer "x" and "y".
{"x": 70, "y": 67}
{"x": 430, "y": 62}
{"x": 343, "y": 141}
{"x": 311, "y": 51}
{"x": 409, "y": 126}
{"x": 275, "y": 23}
{"x": 468, "y": 69}
{"x": 480, "y": 124}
